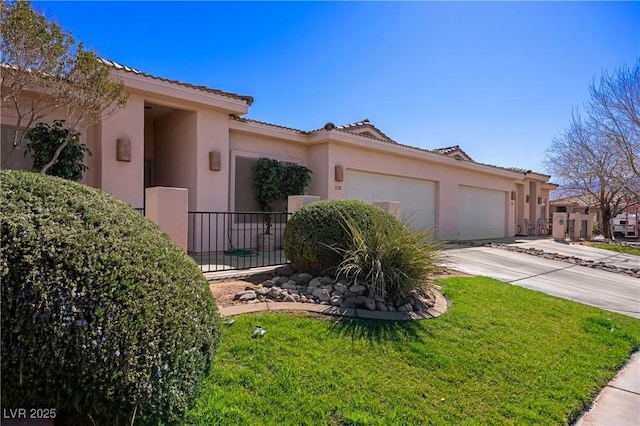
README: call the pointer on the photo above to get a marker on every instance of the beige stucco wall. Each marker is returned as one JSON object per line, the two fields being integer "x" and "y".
{"x": 167, "y": 207}
{"x": 175, "y": 150}
{"x": 323, "y": 166}
{"x": 120, "y": 178}
{"x": 252, "y": 146}
{"x": 448, "y": 178}
{"x": 16, "y": 157}
{"x": 179, "y": 144}
{"x": 212, "y": 186}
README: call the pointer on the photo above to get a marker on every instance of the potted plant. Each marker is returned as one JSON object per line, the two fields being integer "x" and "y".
{"x": 275, "y": 181}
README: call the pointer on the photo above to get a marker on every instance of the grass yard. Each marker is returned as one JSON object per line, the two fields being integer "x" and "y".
{"x": 621, "y": 249}
{"x": 500, "y": 355}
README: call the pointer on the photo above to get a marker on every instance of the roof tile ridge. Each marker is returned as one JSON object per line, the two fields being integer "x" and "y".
{"x": 264, "y": 123}
{"x": 232, "y": 95}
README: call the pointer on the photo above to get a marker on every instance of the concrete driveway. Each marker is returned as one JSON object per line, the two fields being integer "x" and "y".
{"x": 606, "y": 290}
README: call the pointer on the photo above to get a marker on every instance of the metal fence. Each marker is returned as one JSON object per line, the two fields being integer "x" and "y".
{"x": 221, "y": 241}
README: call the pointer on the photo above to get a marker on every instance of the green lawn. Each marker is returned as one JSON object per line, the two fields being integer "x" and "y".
{"x": 500, "y": 355}
{"x": 621, "y": 249}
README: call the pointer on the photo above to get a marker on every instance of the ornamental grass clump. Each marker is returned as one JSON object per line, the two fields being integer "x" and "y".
{"x": 314, "y": 235}
{"x": 104, "y": 318}
{"x": 389, "y": 261}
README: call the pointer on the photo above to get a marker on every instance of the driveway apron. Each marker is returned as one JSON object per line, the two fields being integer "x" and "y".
{"x": 606, "y": 290}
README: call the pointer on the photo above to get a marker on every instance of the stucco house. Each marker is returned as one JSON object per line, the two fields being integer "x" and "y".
{"x": 177, "y": 134}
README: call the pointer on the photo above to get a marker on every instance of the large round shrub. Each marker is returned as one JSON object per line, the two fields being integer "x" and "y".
{"x": 316, "y": 233}
{"x": 103, "y": 317}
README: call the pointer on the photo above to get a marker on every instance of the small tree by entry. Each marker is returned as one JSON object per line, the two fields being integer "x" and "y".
{"x": 43, "y": 141}
{"x": 275, "y": 181}
{"x": 45, "y": 70}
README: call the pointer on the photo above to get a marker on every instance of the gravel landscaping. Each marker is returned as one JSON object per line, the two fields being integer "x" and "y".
{"x": 289, "y": 286}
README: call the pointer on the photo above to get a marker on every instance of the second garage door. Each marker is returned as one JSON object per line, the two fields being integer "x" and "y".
{"x": 481, "y": 213}
{"x": 417, "y": 197}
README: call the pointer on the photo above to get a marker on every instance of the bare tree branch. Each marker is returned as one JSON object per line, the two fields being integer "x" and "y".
{"x": 44, "y": 70}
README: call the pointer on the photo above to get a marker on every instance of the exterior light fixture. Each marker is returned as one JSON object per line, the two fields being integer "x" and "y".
{"x": 123, "y": 150}
{"x": 214, "y": 161}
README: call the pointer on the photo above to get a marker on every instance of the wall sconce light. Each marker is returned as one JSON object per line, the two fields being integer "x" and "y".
{"x": 123, "y": 150}
{"x": 513, "y": 195}
{"x": 527, "y": 198}
{"x": 214, "y": 161}
{"x": 339, "y": 173}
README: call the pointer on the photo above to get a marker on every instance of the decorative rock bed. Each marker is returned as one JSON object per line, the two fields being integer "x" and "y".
{"x": 292, "y": 287}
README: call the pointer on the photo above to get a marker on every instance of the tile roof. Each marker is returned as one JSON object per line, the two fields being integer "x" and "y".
{"x": 247, "y": 99}
{"x": 264, "y": 123}
{"x": 444, "y": 152}
{"x": 366, "y": 123}
{"x": 451, "y": 149}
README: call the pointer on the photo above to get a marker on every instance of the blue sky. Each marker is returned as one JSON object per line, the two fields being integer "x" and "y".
{"x": 500, "y": 79}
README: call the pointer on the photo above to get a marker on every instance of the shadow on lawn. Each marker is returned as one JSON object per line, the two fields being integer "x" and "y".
{"x": 378, "y": 331}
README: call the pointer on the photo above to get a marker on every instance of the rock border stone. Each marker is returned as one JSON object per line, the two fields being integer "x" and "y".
{"x": 288, "y": 290}
{"x": 440, "y": 307}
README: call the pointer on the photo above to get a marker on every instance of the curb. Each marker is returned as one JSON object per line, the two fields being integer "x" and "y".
{"x": 438, "y": 309}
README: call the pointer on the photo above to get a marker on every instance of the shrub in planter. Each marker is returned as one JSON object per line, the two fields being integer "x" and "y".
{"x": 316, "y": 233}
{"x": 103, "y": 317}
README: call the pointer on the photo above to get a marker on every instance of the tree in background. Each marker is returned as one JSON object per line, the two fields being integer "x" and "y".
{"x": 596, "y": 158}
{"x": 614, "y": 108}
{"x": 45, "y": 70}
{"x": 587, "y": 166}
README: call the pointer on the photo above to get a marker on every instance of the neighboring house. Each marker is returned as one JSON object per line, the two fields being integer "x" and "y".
{"x": 575, "y": 204}
{"x": 171, "y": 127}
{"x": 588, "y": 204}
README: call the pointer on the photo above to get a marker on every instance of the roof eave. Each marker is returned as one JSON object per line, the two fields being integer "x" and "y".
{"x": 155, "y": 86}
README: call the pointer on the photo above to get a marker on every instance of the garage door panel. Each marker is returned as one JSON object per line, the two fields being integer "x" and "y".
{"x": 481, "y": 213}
{"x": 416, "y": 197}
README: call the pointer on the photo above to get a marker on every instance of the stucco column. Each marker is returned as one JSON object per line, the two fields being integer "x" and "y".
{"x": 294, "y": 202}
{"x": 447, "y": 210}
{"x": 168, "y": 208}
{"x": 392, "y": 207}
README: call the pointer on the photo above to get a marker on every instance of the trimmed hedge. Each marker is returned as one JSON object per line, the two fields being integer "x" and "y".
{"x": 315, "y": 228}
{"x": 103, "y": 317}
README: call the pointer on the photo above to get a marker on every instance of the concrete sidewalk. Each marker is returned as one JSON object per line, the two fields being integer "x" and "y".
{"x": 619, "y": 402}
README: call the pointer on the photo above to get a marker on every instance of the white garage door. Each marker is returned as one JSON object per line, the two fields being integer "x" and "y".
{"x": 481, "y": 213}
{"x": 417, "y": 197}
